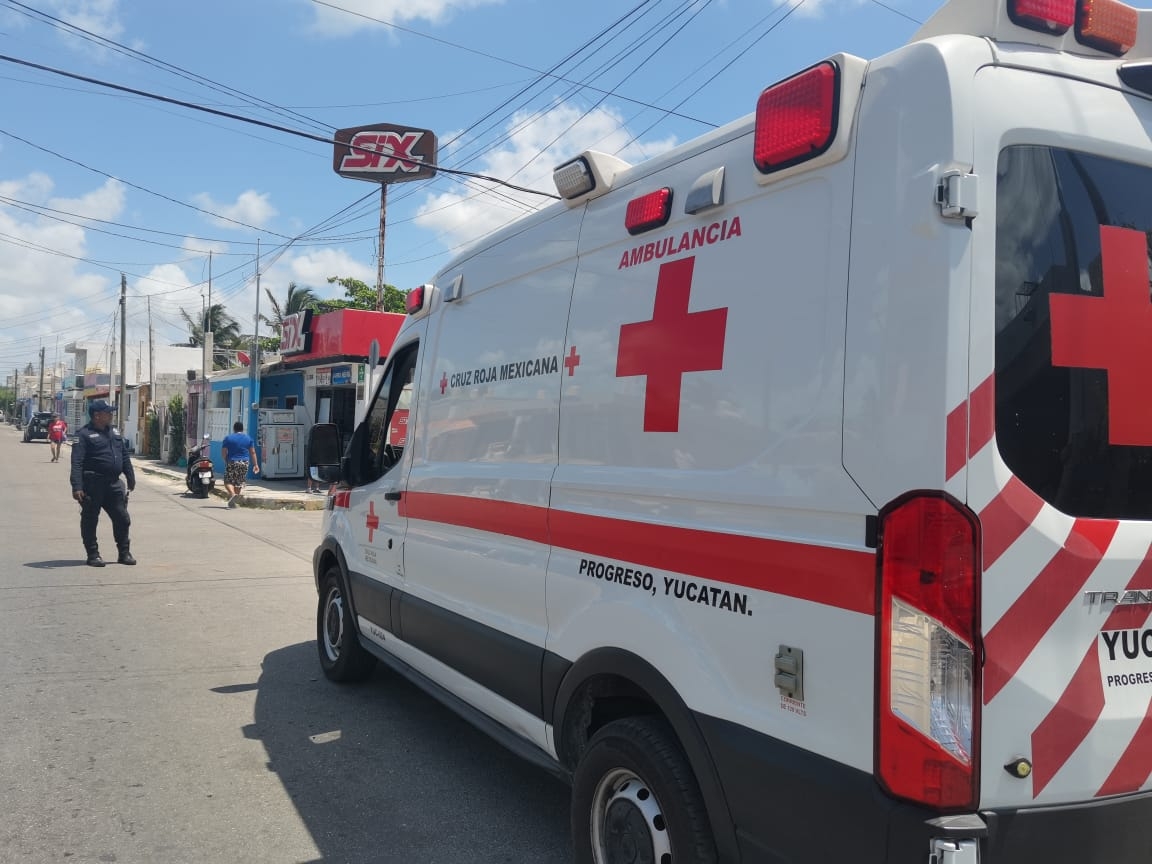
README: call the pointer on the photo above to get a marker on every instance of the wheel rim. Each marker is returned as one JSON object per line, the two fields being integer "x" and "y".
{"x": 333, "y": 624}
{"x": 628, "y": 824}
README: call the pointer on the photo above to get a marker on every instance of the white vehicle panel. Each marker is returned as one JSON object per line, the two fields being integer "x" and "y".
{"x": 1051, "y": 690}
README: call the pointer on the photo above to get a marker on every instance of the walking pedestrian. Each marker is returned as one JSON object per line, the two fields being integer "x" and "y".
{"x": 57, "y": 432}
{"x": 238, "y": 449}
{"x": 99, "y": 457}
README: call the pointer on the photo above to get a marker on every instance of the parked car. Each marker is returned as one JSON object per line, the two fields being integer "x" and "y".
{"x": 38, "y": 426}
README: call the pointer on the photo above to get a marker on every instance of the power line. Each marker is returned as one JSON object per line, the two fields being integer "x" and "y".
{"x": 548, "y": 74}
{"x": 240, "y": 118}
{"x": 51, "y": 152}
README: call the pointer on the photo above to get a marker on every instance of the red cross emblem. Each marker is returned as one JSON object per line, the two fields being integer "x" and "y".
{"x": 675, "y": 341}
{"x": 1113, "y": 333}
{"x": 372, "y": 521}
{"x": 443, "y": 383}
{"x": 572, "y": 361}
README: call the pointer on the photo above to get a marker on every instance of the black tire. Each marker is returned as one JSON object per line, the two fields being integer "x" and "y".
{"x": 635, "y": 799}
{"x": 342, "y": 657}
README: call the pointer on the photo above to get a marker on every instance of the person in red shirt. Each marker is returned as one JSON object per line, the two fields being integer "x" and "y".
{"x": 57, "y": 432}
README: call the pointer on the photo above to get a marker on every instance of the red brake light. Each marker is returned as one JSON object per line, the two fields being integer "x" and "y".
{"x": 928, "y": 681}
{"x": 648, "y": 211}
{"x": 1047, "y": 16}
{"x": 1106, "y": 25}
{"x": 796, "y": 119}
{"x": 415, "y": 300}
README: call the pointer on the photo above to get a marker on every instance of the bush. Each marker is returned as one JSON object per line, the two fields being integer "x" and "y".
{"x": 153, "y": 436}
{"x": 176, "y": 428}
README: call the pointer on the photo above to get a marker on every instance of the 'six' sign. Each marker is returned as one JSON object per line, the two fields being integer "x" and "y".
{"x": 383, "y": 153}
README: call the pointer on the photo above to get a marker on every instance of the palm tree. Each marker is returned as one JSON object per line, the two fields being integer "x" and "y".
{"x": 297, "y": 300}
{"x": 224, "y": 328}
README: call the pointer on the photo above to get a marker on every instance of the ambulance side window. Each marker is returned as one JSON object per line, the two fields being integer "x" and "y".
{"x": 388, "y": 418}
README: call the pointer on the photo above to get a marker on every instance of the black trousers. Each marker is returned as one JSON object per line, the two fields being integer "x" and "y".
{"x": 107, "y": 494}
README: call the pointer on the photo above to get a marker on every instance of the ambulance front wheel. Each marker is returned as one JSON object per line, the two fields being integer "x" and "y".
{"x": 634, "y": 798}
{"x": 342, "y": 657}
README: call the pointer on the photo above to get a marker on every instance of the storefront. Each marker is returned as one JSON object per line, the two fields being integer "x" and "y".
{"x": 331, "y": 350}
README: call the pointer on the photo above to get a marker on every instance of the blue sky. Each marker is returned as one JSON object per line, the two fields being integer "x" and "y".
{"x": 470, "y": 70}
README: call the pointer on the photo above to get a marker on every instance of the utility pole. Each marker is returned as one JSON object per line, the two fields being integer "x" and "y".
{"x": 208, "y": 339}
{"x": 40, "y": 390}
{"x": 254, "y": 360}
{"x": 123, "y": 341}
{"x": 380, "y": 249}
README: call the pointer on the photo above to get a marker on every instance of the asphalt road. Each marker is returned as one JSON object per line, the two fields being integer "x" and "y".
{"x": 175, "y": 711}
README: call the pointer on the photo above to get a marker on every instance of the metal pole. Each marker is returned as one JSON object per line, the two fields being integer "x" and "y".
{"x": 254, "y": 369}
{"x": 207, "y": 334}
{"x": 123, "y": 343}
{"x": 380, "y": 249}
{"x": 40, "y": 389}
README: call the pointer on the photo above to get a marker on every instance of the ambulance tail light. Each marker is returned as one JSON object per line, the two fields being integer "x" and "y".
{"x": 1106, "y": 25}
{"x": 1045, "y": 16}
{"x": 928, "y": 676}
{"x": 796, "y": 119}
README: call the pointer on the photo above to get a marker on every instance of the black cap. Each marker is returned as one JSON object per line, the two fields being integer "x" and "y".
{"x": 100, "y": 405}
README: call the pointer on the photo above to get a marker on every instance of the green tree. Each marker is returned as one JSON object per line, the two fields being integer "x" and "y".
{"x": 176, "y": 428}
{"x": 225, "y": 331}
{"x": 359, "y": 295}
{"x": 297, "y": 300}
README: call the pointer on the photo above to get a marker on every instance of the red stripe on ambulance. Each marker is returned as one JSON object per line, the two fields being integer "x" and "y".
{"x": 1018, "y": 632}
{"x": 1082, "y": 702}
{"x": 842, "y": 578}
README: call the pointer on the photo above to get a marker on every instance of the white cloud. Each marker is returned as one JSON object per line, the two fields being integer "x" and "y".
{"x": 35, "y": 188}
{"x": 43, "y": 297}
{"x": 313, "y": 269}
{"x": 98, "y": 16}
{"x": 107, "y": 202}
{"x": 817, "y": 8}
{"x": 333, "y": 22}
{"x": 200, "y": 246}
{"x": 251, "y": 208}
{"x": 536, "y": 145}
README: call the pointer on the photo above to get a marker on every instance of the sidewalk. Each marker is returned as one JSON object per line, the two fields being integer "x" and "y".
{"x": 258, "y": 492}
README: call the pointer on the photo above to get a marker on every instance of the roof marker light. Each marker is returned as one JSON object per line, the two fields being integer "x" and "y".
{"x": 1106, "y": 25}
{"x": 796, "y": 119}
{"x": 574, "y": 178}
{"x": 648, "y": 211}
{"x": 415, "y": 300}
{"x": 1045, "y": 16}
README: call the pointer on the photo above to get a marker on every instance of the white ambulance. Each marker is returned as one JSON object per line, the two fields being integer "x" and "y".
{"x": 791, "y": 492}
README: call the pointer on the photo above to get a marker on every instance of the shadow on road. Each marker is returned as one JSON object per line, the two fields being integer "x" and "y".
{"x": 52, "y": 565}
{"x": 381, "y": 772}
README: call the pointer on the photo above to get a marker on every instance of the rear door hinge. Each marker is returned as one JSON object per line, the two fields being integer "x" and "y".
{"x": 957, "y": 194}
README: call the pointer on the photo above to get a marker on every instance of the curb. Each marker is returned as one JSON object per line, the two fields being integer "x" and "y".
{"x": 259, "y": 501}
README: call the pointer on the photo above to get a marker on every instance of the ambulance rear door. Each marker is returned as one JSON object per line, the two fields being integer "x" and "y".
{"x": 1059, "y": 470}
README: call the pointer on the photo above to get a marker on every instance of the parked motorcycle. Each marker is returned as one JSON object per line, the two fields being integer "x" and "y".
{"x": 200, "y": 478}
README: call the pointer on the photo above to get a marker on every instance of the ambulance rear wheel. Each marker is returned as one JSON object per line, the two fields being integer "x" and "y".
{"x": 342, "y": 657}
{"x": 636, "y": 801}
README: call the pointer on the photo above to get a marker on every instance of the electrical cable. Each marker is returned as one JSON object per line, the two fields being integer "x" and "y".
{"x": 240, "y": 118}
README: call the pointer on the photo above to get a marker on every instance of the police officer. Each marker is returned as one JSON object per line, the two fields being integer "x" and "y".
{"x": 99, "y": 457}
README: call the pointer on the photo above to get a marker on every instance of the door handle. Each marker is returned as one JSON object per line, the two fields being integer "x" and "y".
{"x": 392, "y": 496}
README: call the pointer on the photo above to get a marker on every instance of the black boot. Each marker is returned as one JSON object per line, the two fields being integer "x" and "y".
{"x": 125, "y": 556}
{"x": 94, "y": 559}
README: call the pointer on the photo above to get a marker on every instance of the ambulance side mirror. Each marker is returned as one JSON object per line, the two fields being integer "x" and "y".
{"x": 324, "y": 453}
{"x": 356, "y": 466}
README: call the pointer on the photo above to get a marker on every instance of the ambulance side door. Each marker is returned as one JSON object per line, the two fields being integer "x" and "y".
{"x": 378, "y": 466}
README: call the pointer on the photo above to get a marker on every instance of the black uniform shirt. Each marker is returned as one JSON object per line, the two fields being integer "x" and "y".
{"x": 102, "y": 451}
